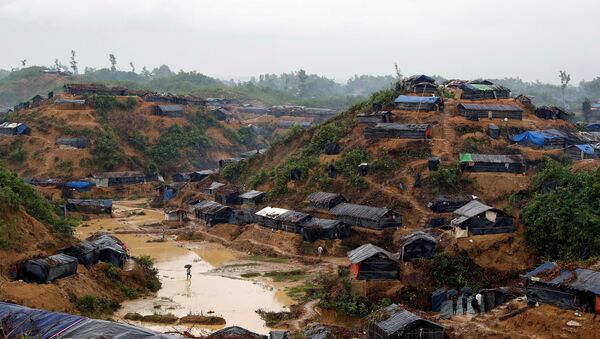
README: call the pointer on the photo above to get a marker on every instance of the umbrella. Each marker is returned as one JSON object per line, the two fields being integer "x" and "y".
{"x": 188, "y": 266}
{"x": 466, "y": 291}
{"x": 452, "y": 293}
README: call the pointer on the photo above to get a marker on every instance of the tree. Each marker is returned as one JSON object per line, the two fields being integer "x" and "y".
{"x": 302, "y": 76}
{"x": 23, "y": 62}
{"x": 398, "y": 73}
{"x": 113, "y": 62}
{"x": 145, "y": 71}
{"x": 564, "y": 82}
{"x": 74, "y": 63}
{"x": 586, "y": 109}
{"x": 132, "y": 67}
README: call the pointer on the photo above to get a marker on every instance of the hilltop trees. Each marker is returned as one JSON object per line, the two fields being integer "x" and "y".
{"x": 563, "y": 215}
{"x": 586, "y": 109}
{"x": 74, "y": 63}
{"x": 113, "y": 62}
{"x": 564, "y": 82}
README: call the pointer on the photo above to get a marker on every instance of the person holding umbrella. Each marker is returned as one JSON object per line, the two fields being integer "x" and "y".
{"x": 188, "y": 269}
{"x": 466, "y": 292}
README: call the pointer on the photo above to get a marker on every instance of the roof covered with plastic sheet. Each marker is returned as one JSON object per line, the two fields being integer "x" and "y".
{"x": 207, "y": 206}
{"x": 323, "y": 197}
{"x": 399, "y": 320}
{"x": 11, "y": 125}
{"x": 170, "y": 108}
{"x": 292, "y": 216}
{"x": 251, "y": 194}
{"x": 235, "y": 332}
{"x": 473, "y": 208}
{"x": 359, "y": 211}
{"x": 411, "y": 99}
{"x": 321, "y": 223}
{"x": 490, "y": 107}
{"x": 580, "y": 279}
{"x": 409, "y": 238}
{"x": 271, "y": 212}
{"x": 491, "y": 158}
{"x": 55, "y": 260}
{"x": 402, "y": 127}
{"x": 367, "y": 251}
{"x": 70, "y": 101}
{"x": 215, "y": 185}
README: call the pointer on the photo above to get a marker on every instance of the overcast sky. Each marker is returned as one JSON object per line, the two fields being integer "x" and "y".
{"x": 337, "y": 38}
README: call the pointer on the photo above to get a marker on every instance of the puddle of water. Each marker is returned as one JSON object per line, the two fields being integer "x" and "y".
{"x": 234, "y": 299}
{"x": 331, "y": 317}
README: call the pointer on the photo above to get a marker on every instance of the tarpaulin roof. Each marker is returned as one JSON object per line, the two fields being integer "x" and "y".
{"x": 402, "y": 127}
{"x": 271, "y": 212}
{"x": 367, "y": 251}
{"x": 91, "y": 202}
{"x": 215, "y": 185}
{"x": 11, "y": 125}
{"x": 78, "y": 184}
{"x": 207, "y": 206}
{"x": 471, "y": 157}
{"x": 585, "y": 148}
{"x": 359, "y": 211}
{"x": 592, "y": 137}
{"x": 409, "y": 238}
{"x": 584, "y": 280}
{"x": 419, "y": 78}
{"x": 170, "y": 108}
{"x": 409, "y": 99}
{"x": 399, "y": 320}
{"x": 234, "y": 332}
{"x": 292, "y": 216}
{"x": 321, "y": 223}
{"x": 473, "y": 208}
{"x": 491, "y": 107}
{"x": 70, "y": 101}
{"x": 120, "y": 174}
{"x": 323, "y": 197}
{"x": 251, "y": 194}
{"x": 538, "y": 137}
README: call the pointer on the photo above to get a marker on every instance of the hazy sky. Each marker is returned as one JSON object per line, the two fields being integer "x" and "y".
{"x": 337, "y": 38}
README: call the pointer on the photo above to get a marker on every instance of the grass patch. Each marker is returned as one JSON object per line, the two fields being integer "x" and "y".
{"x": 272, "y": 319}
{"x": 250, "y": 275}
{"x": 202, "y": 320}
{"x": 305, "y": 292}
{"x": 153, "y": 318}
{"x": 244, "y": 264}
{"x": 93, "y": 306}
{"x": 278, "y": 276}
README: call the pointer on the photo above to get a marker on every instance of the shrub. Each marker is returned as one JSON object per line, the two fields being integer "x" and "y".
{"x": 18, "y": 155}
{"x": 91, "y": 305}
{"x": 447, "y": 179}
{"x": 233, "y": 171}
{"x": 384, "y": 163}
{"x": 259, "y": 178}
{"x": 457, "y": 271}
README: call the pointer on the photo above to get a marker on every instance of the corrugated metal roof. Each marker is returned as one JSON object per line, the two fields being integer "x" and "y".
{"x": 251, "y": 194}
{"x": 320, "y": 223}
{"x": 492, "y": 158}
{"x": 11, "y": 125}
{"x": 215, "y": 185}
{"x": 207, "y": 206}
{"x": 359, "y": 211}
{"x": 411, "y": 99}
{"x": 491, "y": 107}
{"x": 399, "y": 320}
{"x": 292, "y": 216}
{"x": 402, "y": 127}
{"x": 367, "y": 251}
{"x": 323, "y": 197}
{"x": 585, "y": 280}
{"x": 271, "y": 212}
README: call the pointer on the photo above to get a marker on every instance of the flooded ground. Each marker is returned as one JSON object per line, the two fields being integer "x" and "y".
{"x": 215, "y": 288}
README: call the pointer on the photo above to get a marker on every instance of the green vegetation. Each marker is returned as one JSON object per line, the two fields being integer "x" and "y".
{"x": 279, "y": 276}
{"x": 17, "y": 155}
{"x": 271, "y": 319}
{"x": 347, "y": 303}
{"x": 447, "y": 179}
{"x": 15, "y": 194}
{"x": 93, "y": 306}
{"x": 457, "y": 271}
{"x": 563, "y": 213}
{"x": 384, "y": 163}
{"x": 233, "y": 171}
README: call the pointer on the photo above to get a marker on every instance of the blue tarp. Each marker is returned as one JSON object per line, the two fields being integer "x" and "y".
{"x": 169, "y": 193}
{"x": 580, "y": 279}
{"x": 409, "y": 99}
{"x": 593, "y": 127}
{"x": 21, "y": 128}
{"x": 78, "y": 185}
{"x": 437, "y": 299}
{"x": 537, "y": 137}
{"x": 585, "y": 148}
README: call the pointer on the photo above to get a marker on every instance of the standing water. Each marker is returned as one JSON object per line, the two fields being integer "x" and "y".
{"x": 233, "y": 298}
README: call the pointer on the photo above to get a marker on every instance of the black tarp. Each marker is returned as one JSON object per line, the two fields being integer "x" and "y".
{"x": 110, "y": 249}
{"x": 48, "y": 269}
{"x": 419, "y": 248}
{"x": 479, "y": 225}
{"x": 85, "y": 252}
{"x": 363, "y": 169}
{"x": 437, "y": 222}
{"x": 332, "y": 148}
{"x": 295, "y": 175}
{"x": 331, "y": 171}
{"x": 493, "y": 131}
{"x": 433, "y": 163}
{"x": 544, "y": 293}
{"x": 378, "y": 269}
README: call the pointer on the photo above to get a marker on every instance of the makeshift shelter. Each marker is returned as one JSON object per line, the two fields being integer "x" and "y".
{"x": 279, "y": 335}
{"x": 85, "y": 252}
{"x": 524, "y": 99}
{"x": 547, "y": 139}
{"x": 93, "y": 206}
{"x": 417, "y": 245}
{"x": 433, "y": 163}
{"x": 438, "y": 297}
{"x": 483, "y": 90}
{"x": 313, "y": 229}
{"x": 374, "y": 117}
{"x": 331, "y": 171}
{"x": 25, "y": 322}
{"x": 325, "y": 200}
{"x": 280, "y": 218}
{"x": 108, "y": 179}
{"x": 178, "y": 214}
{"x": 173, "y": 111}
{"x": 267, "y": 216}
{"x": 14, "y": 128}
{"x": 235, "y": 332}
{"x": 199, "y": 175}
{"x": 401, "y": 324}
{"x": 46, "y": 270}
{"x": 552, "y": 113}
{"x": 366, "y": 216}
{"x": 227, "y": 195}
{"x": 214, "y": 186}
{"x": 363, "y": 169}
{"x": 420, "y": 84}
{"x": 476, "y": 218}
{"x": 251, "y": 153}
{"x": 443, "y": 203}
{"x": 180, "y": 177}
{"x": 398, "y": 131}
{"x": 415, "y": 103}
{"x": 494, "y": 297}
{"x": 552, "y": 284}
{"x": 252, "y": 197}
{"x": 110, "y": 249}
{"x": 79, "y": 186}
{"x": 593, "y": 127}
{"x": 513, "y": 163}
{"x": 65, "y": 104}
{"x": 490, "y": 111}
{"x": 212, "y": 212}
{"x": 295, "y": 174}
{"x": 580, "y": 152}
{"x": 332, "y": 148}
{"x": 228, "y": 161}
{"x": 67, "y": 143}
{"x": 221, "y": 114}
{"x": 370, "y": 262}
{"x": 493, "y": 131}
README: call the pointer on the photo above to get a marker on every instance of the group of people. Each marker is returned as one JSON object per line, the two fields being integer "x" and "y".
{"x": 476, "y": 303}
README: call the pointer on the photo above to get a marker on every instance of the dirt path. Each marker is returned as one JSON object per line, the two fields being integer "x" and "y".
{"x": 308, "y": 313}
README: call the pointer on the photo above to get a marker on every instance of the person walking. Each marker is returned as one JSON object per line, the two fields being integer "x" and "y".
{"x": 479, "y": 298}
{"x": 465, "y": 303}
{"x": 475, "y": 305}
{"x": 189, "y": 273}
{"x": 454, "y": 304}
{"x": 320, "y": 251}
